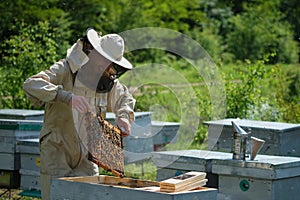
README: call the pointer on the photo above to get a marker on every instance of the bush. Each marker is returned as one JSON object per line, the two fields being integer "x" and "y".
{"x": 245, "y": 95}
{"x": 287, "y": 95}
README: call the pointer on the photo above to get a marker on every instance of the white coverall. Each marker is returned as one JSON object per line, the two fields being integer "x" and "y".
{"x": 61, "y": 151}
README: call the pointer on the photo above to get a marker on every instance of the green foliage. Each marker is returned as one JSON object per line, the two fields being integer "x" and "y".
{"x": 244, "y": 94}
{"x": 205, "y": 115}
{"x": 294, "y": 85}
{"x": 257, "y": 27}
{"x": 159, "y": 100}
{"x": 264, "y": 92}
{"x": 34, "y": 34}
{"x": 30, "y": 12}
{"x": 291, "y": 9}
{"x": 85, "y": 14}
{"x": 219, "y": 13}
{"x": 287, "y": 95}
{"x": 22, "y": 56}
{"x": 261, "y": 30}
{"x": 209, "y": 40}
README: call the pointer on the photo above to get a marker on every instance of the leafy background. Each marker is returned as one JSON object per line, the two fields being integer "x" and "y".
{"x": 254, "y": 43}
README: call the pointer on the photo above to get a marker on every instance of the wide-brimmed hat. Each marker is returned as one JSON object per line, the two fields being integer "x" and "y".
{"x": 111, "y": 46}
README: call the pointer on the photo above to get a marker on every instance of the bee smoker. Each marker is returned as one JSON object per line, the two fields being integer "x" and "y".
{"x": 241, "y": 146}
{"x": 244, "y": 146}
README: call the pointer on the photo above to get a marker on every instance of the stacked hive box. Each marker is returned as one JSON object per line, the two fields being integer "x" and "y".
{"x": 30, "y": 163}
{"x": 163, "y": 133}
{"x": 15, "y": 124}
{"x": 10, "y": 132}
{"x": 266, "y": 177}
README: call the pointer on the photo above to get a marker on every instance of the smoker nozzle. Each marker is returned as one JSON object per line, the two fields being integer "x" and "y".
{"x": 238, "y": 129}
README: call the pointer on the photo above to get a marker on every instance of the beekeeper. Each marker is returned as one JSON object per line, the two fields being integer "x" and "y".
{"x": 85, "y": 81}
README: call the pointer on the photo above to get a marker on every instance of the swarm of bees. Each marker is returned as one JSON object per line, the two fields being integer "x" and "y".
{"x": 105, "y": 145}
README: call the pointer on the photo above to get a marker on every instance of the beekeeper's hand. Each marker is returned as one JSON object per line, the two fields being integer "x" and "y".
{"x": 79, "y": 103}
{"x": 124, "y": 125}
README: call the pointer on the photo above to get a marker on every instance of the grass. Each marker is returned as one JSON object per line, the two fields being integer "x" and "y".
{"x": 182, "y": 72}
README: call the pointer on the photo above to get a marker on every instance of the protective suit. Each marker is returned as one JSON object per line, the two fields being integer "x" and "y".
{"x": 62, "y": 151}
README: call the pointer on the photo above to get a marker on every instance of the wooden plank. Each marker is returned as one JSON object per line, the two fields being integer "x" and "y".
{"x": 186, "y": 181}
{"x": 183, "y": 179}
{"x": 116, "y": 181}
{"x": 188, "y": 187}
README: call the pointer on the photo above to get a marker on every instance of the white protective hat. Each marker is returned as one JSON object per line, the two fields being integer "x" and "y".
{"x": 111, "y": 46}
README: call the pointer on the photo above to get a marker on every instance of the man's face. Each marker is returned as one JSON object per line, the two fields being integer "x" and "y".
{"x": 97, "y": 69}
{"x": 97, "y": 63}
{"x": 102, "y": 66}
{"x": 111, "y": 72}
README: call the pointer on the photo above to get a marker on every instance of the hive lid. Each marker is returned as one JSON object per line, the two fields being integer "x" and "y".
{"x": 21, "y": 114}
{"x": 111, "y": 115}
{"x": 264, "y": 166}
{"x": 278, "y": 126}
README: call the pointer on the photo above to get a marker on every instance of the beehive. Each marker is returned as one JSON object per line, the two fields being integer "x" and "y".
{"x": 281, "y": 139}
{"x": 106, "y": 187}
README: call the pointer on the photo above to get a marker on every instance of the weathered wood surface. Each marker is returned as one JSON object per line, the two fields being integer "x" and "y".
{"x": 111, "y": 180}
{"x": 187, "y": 181}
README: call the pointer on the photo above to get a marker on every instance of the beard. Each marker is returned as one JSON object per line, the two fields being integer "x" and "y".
{"x": 105, "y": 84}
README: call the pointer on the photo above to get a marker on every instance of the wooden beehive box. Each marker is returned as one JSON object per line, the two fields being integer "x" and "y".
{"x": 164, "y": 133}
{"x": 30, "y": 163}
{"x": 267, "y": 177}
{"x": 12, "y": 130}
{"x": 281, "y": 139}
{"x": 108, "y": 187}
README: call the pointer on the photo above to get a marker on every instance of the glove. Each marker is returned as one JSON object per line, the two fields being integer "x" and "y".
{"x": 124, "y": 126}
{"x": 79, "y": 103}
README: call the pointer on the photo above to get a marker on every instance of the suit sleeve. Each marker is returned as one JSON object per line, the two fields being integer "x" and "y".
{"x": 46, "y": 86}
{"x": 121, "y": 102}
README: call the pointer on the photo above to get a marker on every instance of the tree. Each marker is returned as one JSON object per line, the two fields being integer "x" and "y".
{"x": 261, "y": 30}
{"x": 15, "y": 12}
{"x": 23, "y": 55}
{"x": 291, "y": 8}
